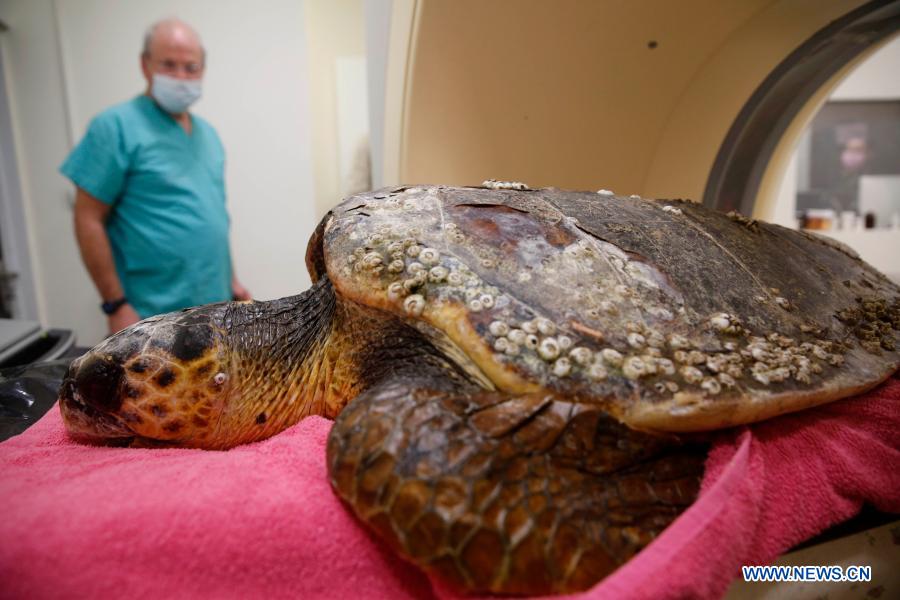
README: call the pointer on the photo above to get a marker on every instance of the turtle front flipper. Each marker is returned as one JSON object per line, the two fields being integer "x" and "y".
{"x": 528, "y": 494}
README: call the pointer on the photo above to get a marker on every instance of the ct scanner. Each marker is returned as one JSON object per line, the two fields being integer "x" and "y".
{"x": 699, "y": 99}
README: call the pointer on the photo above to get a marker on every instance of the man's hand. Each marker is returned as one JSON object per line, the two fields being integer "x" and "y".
{"x": 122, "y": 318}
{"x": 239, "y": 292}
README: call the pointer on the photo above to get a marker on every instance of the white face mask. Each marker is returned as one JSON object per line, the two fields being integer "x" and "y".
{"x": 175, "y": 95}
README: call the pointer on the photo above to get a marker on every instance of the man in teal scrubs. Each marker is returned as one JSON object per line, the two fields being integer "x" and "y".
{"x": 150, "y": 212}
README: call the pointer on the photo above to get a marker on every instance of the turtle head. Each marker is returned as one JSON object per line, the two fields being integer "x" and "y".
{"x": 165, "y": 378}
{"x": 213, "y": 376}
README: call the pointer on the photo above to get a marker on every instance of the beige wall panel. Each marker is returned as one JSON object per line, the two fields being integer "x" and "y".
{"x": 568, "y": 93}
{"x": 715, "y": 95}
{"x": 334, "y": 29}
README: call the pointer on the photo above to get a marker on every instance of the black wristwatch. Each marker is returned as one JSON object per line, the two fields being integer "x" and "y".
{"x": 112, "y": 306}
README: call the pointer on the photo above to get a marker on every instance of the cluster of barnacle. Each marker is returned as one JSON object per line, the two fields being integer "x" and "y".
{"x": 413, "y": 274}
{"x": 781, "y": 301}
{"x": 872, "y": 321}
{"x": 647, "y": 353}
{"x": 643, "y": 358}
{"x": 726, "y": 323}
{"x": 774, "y": 359}
{"x": 610, "y": 193}
{"x": 453, "y": 234}
{"x": 539, "y": 335}
{"x": 768, "y": 360}
{"x": 778, "y": 358}
{"x": 493, "y": 184}
{"x": 565, "y": 357}
{"x": 751, "y": 224}
{"x": 410, "y": 268}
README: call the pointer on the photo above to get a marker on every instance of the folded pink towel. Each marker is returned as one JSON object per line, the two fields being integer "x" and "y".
{"x": 261, "y": 520}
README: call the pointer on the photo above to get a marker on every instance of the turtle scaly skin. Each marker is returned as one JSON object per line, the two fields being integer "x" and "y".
{"x": 520, "y": 378}
{"x": 522, "y": 494}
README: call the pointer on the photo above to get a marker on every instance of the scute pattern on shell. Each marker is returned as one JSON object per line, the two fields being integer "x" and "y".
{"x": 572, "y": 293}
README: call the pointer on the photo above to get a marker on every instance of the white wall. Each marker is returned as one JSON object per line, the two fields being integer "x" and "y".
{"x": 378, "y": 28}
{"x": 878, "y": 78}
{"x": 335, "y": 38}
{"x": 37, "y": 110}
{"x": 69, "y": 59}
{"x": 14, "y": 240}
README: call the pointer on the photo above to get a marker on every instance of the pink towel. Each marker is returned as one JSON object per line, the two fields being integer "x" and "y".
{"x": 261, "y": 521}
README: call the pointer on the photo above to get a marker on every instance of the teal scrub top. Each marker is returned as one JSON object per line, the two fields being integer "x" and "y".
{"x": 168, "y": 226}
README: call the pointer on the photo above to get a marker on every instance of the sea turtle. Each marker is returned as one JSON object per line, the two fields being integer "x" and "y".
{"x": 518, "y": 376}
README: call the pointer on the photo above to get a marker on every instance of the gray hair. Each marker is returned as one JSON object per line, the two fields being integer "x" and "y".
{"x": 151, "y": 31}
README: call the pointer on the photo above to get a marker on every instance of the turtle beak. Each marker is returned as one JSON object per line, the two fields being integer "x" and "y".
{"x": 95, "y": 379}
{"x": 92, "y": 389}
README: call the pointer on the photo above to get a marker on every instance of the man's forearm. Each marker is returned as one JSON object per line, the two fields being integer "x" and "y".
{"x": 97, "y": 256}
